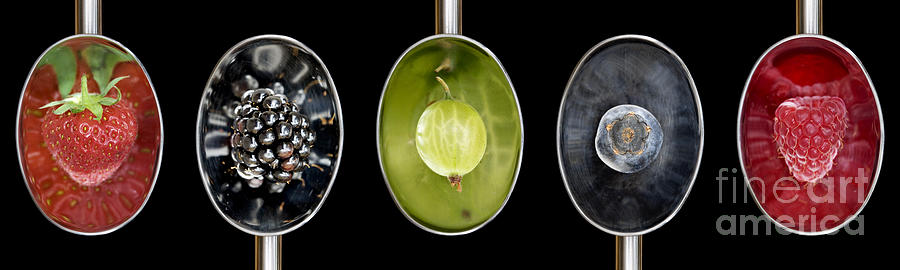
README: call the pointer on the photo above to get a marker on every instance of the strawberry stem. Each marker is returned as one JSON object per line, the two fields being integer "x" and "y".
{"x": 78, "y": 102}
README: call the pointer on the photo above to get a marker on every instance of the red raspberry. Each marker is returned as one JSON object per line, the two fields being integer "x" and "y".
{"x": 809, "y": 131}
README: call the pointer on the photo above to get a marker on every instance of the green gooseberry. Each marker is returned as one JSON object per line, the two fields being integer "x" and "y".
{"x": 451, "y": 137}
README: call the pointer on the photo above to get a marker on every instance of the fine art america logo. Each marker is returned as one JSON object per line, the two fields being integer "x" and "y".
{"x": 787, "y": 190}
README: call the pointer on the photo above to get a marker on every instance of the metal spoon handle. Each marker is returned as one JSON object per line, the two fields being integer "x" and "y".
{"x": 809, "y": 17}
{"x": 629, "y": 252}
{"x": 87, "y": 17}
{"x": 268, "y": 252}
{"x": 448, "y": 17}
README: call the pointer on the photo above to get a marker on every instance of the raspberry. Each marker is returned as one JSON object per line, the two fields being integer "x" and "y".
{"x": 809, "y": 131}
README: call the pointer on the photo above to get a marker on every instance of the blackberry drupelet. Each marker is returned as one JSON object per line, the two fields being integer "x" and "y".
{"x": 270, "y": 138}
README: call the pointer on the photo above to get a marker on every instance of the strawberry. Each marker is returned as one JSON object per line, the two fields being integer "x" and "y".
{"x": 89, "y": 134}
{"x": 809, "y": 131}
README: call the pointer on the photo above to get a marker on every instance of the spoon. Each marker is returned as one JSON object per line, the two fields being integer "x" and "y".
{"x": 840, "y": 164}
{"x": 469, "y": 73}
{"x": 269, "y": 209}
{"x": 88, "y": 208}
{"x": 629, "y": 139}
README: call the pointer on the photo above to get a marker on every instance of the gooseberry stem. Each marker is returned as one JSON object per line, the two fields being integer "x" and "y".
{"x": 444, "y": 65}
{"x": 444, "y": 84}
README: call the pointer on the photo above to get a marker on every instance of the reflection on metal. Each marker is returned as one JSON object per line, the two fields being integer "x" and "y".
{"x": 809, "y": 17}
{"x": 448, "y": 17}
{"x": 629, "y": 252}
{"x": 88, "y": 17}
{"x": 266, "y": 61}
{"x": 640, "y": 71}
{"x": 269, "y": 58}
{"x": 643, "y": 91}
{"x": 268, "y": 252}
{"x": 268, "y": 211}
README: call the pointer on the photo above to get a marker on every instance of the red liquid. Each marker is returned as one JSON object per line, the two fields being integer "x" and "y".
{"x": 116, "y": 200}
{"x": 809, "y": 66}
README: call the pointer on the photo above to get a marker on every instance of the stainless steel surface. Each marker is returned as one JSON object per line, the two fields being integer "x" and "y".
{"x": 88, "y": 17}
{"x": 652, "y": 76}
{"x": 809, "y": 17}
{"x": 740, "y": 147}
{"x": 629, "y": 252}
{"x": 289, "y": 67}
{"x": 448, "y": 17}
{"x": 473, "y": 43}
{"x": 268, "y": 252}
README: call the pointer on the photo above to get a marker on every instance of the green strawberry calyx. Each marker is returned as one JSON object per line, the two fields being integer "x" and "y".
{"x": 93, "y": 102}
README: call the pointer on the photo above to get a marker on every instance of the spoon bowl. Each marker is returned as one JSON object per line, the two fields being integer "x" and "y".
{"x": 474, "y": 76}
{"x": 801, "y": 66}
{"x": 76, "y": 208}
{"x": 287, "y": 67}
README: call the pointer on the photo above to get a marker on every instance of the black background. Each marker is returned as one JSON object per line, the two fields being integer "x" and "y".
{"x": 538, "y": 42}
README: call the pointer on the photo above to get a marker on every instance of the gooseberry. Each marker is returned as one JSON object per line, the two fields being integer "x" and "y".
{"x": 451, "y": 138}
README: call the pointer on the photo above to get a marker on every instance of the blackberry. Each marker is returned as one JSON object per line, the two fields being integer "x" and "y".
{"x": 270, "y": 138}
